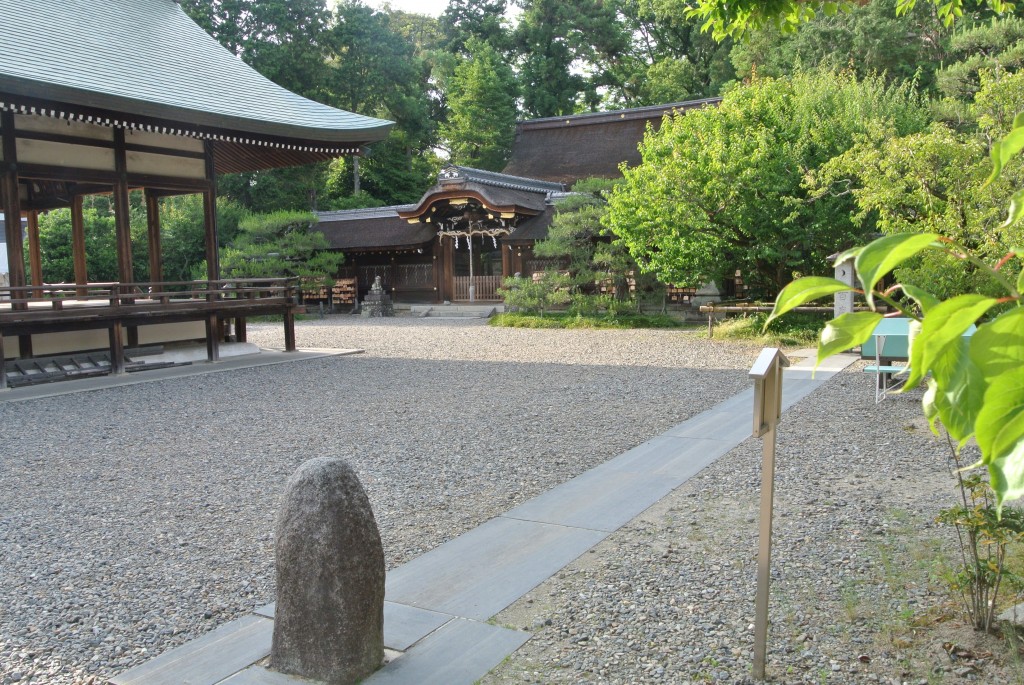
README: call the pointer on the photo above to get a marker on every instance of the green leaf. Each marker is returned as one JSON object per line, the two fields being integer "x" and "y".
{"x": 848, "y": 254}
{"x": 846, "y": 331}
{"x": 1018, "y": 121}
{"x": 999, "y": 431}
{"x": 1016, "y": 208}
{"x": 924, "y": 299}
{"x": 883, "y": 255}
{"x": 941, "y": 327}
{"x": 804, "y": 290}
{"x": 1004, "y": 149}
{"x": 929, "y": 404}
{"x": 998, "y": 345}
{"x": 960, "y": 390}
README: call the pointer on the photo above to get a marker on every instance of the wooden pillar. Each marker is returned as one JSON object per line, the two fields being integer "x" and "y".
{"x": 210, "y": 216}
{"x": 78, "y": 243}
{"x": 240, "y": 329}
{"x": 12, "y": 204}
{"x": 156, "y": 273}
{"x": 447, "y": 269}
{"x": 212, "y": 338}
{"x": 289, "y": 330}
{"x": 506, "y": 261}
{"x": 35, "y": 257}
{"x": 116, "y": 348}
{"x": 3, "y": 365}
{"x": 122, "y": 211}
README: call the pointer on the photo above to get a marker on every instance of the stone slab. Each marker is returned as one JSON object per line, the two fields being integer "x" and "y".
{"x": 258, "y": 675}
{"x": 732, "y": 426}
{"x": 404, "y": 625}
{"x": 602, "y": 499}
{"x": 678, "y": 460}
{"x": 460, "y": 653}
{"x": 209, "y": 659}
{"x": 483, "y": 571}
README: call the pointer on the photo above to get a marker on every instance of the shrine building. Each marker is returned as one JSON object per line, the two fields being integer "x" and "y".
{"x": 111, "y": 96}
{"x": 474, "y": 228}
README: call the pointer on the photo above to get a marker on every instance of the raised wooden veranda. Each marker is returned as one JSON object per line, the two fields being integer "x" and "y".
{"x": 121, "y": 308}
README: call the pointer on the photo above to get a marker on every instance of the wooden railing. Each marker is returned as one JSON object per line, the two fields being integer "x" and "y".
{"x": 57, "y": 295}
{"x": 486, "y": 287}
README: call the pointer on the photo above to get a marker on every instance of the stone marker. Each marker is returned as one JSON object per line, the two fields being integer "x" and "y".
{"x": 329, "y": 621}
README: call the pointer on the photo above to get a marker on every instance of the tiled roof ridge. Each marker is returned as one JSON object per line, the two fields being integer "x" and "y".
{"x": 363, "y": 213}
{"x": 644, "y": 112}
{"x": 500, "y": 180}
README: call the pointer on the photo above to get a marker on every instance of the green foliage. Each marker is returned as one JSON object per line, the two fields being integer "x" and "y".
{"x": 795, "y": 330}
{"x": 481, "y": 109}
{"x": 55, "y": 241}
{"x": 183, "y": 234}
{"x": 553, "y": 36}
{"x": 868, "y": 39}
{"x": 279, "y": 244}
{"x": 536, "y": 295}
{"x": 734, "y": 18}
{"x": 575, "y": 321}
{"x": 482, "y": 20}
{"x": 975, "y": 388}
{"x": 935, "y": 181}
{"x": 984, "y": 537}
{"x": 995, "y": 47}
{"x": 725, "y": 188}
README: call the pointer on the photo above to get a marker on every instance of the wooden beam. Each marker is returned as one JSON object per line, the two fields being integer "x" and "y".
{"x": 12, "y": 203}
{"x": 156, "y": 271}
{"x": 78, "y": 243}
{"x": 122, "y": 211}
{"x": 35, "y": 257}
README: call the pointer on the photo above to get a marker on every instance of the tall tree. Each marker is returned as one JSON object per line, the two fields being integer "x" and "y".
{"x": 480, "y": 19}
{"x": 722, "y": 188}
{"x": 557, "y": 43}
{"x": 868, "y": 39}
{"x": 482, "y": 109}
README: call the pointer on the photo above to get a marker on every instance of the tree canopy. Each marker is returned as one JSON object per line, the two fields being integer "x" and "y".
{"x": 724, "y": 188}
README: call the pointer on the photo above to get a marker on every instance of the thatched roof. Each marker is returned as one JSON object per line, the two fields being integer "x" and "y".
{"x": 567, "y": 149}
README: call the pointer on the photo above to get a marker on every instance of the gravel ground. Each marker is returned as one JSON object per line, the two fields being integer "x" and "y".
{"x": 136, "y": 518}
{"x": 857, "y": 593}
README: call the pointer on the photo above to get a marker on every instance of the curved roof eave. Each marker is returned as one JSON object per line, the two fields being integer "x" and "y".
{"x": 146, "y": 58}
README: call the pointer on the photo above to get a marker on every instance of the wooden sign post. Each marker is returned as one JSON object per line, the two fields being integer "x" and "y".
{"x": 767, "y": 376}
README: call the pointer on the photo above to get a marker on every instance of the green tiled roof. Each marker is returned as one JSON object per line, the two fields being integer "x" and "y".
{"x": 146, "y": 58}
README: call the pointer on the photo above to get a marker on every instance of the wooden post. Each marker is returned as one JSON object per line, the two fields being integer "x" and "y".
{"x": 3, "y": 364}
{"x": 767, "y": 376}
{"x": 35, "y": 258}
{"x": 122, "y": 211}
{"x": 448, "y": 266}
{"x": 156, "y": 274}
{"x": 240, "y": 329}
{"x": 12, "y": 206}
{"x": 289, "y": 330}
{"x": 78, "y": 243}
{"x": 116, "y": 349}
{"x": 212, "y": 339}
{"x": 210, "y": 216}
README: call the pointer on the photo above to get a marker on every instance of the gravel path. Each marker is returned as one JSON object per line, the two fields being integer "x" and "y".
{"x": 135, "y": 518}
